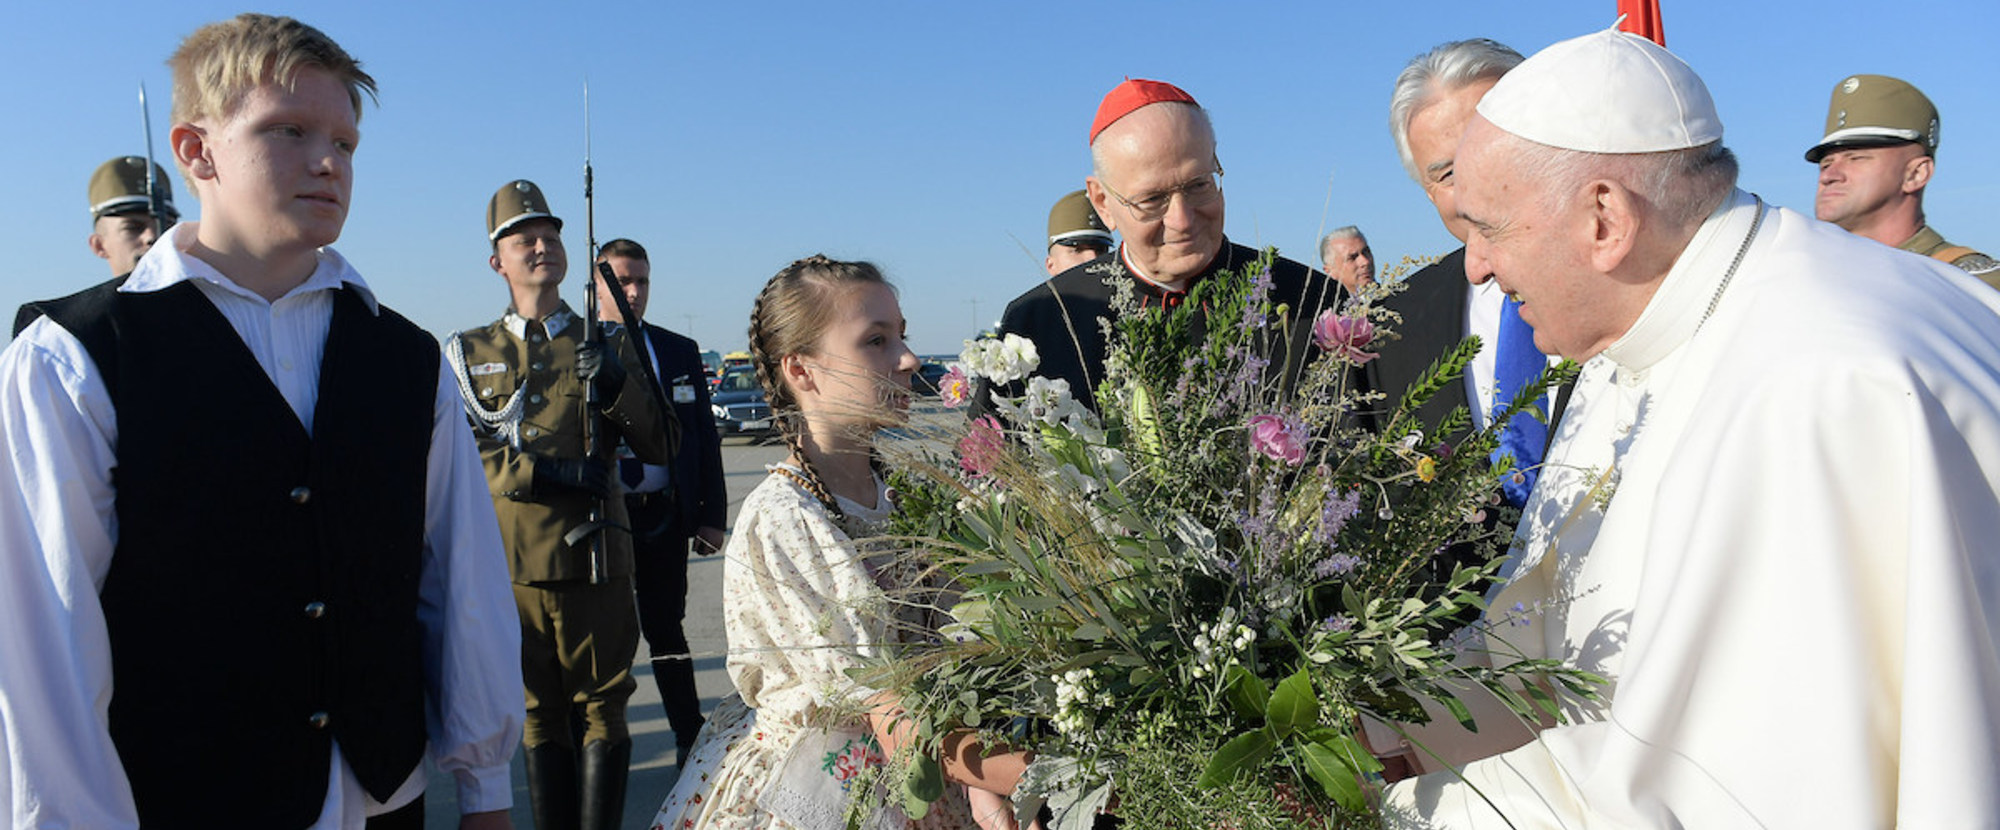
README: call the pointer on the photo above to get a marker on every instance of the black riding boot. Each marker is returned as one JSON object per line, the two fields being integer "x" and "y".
{"x": 552, "y": 786}
{"x": 604, "y": 767}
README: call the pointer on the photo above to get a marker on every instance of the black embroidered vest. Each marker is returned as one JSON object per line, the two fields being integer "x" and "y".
{"x": 262, "y": 598}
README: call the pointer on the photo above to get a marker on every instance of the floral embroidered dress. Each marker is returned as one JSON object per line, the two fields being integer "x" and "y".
{"x": 801, "y": 606}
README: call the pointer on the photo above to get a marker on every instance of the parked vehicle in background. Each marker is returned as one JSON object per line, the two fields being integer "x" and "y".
{"x": 926, "y": 379}
{"x": 739, "y": 405}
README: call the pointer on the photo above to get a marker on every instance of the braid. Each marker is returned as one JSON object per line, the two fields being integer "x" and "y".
{"x": 794, "y": 315}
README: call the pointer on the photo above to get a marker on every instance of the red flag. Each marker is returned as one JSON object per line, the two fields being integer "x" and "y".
{"x": 1642, "y": 18}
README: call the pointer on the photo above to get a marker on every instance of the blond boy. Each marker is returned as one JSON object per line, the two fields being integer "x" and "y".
{"x": 293, "y": 584}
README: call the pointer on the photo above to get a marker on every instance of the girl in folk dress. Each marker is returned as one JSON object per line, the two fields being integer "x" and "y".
{"x": 802, "y": 605}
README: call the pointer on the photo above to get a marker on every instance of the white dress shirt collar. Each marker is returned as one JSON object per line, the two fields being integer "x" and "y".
{"x": 166, "y": 264}
{"x": 552, "y": 325}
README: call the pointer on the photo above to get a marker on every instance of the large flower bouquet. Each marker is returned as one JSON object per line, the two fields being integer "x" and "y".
{"x": 1183, "y": 603}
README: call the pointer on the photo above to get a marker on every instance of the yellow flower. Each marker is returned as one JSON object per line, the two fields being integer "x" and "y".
{"x": 1427, "y": 468}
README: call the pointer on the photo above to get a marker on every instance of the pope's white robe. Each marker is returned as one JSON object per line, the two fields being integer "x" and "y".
{"x": 1778, "y": 532}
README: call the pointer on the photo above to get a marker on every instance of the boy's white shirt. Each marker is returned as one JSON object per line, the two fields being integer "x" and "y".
{"x": 59, "y": 530}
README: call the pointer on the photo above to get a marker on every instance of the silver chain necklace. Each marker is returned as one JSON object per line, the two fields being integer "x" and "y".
{"x": 1756, "y": 222}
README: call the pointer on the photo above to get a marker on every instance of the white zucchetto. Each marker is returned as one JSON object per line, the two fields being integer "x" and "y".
{"x": 1608, "y": 92}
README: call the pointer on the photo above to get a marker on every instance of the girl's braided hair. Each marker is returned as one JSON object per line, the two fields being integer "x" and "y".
{"x": 788, "y": 318}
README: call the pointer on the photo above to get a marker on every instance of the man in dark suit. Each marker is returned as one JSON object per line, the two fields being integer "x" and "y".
{"x": 1433, "y": 99}
{"x": 672, "y": 507}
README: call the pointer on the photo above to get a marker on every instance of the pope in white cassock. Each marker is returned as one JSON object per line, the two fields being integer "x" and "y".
{"x": 1769, "y": 515}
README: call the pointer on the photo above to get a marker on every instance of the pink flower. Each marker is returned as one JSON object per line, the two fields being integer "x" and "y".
{"x": 981, "y": 448}
{"x": 1346, "y": 335}
{"x": 1278, "y": 438}
{"x": 955, "y": 387}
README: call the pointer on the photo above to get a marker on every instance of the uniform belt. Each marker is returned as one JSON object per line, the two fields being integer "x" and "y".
{"x": 648, "y": 499}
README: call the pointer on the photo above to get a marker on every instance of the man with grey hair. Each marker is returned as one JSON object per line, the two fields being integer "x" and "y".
{"x": 1156, "y": 180}
{"x": 1346, "y": 257}
{"x": 1434, "y": 96}
{"x": 1756, "y": 420}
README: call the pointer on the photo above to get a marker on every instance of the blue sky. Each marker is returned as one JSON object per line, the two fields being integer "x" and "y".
{"x": 929, "y": 137}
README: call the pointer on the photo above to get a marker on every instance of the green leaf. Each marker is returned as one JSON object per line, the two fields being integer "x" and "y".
{"x": 1086, "y": 659}
{"x": 1246, "y": 692}
{"x": 1293, "y": 705}
{"x": 1459, "y": 711}
{"x": 1335, "y": 777}
{"x": 1353, "y": 754}
{"x": 1241, "y": 754}
{"x": 1079, "y": 811}
{"x": 1540, "y": 697}
{"x": 989, "y": 566}
{"x": 923, "y": 785}
{"x": 1146, "y": 422}
{"x": 1089, "y": 631}
{"x": 994, "y": 588}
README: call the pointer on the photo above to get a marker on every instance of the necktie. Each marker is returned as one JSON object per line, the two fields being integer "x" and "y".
{"x": 1516, "y": 363}
{"x": 633, "y": 471}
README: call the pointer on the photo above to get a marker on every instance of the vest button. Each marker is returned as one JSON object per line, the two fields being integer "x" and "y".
{"x": 301, "y": 495}
{"x": 537, "y": 366}
{"x": 534, "y": 399}
{"x": 318, "y": 720}
{"x": 315, "y": 610}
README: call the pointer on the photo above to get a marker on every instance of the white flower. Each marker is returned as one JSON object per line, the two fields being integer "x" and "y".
{"x": 1083, "y": 424}
{"x": 1073, "y": 697}
{"x": 1020, "y": 353}
{"x": 1049, "y": 401}
{"x": 1217, "y": 647}
{"x": 1005, "y": 360}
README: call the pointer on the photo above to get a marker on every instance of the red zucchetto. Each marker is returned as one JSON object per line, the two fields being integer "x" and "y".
{"x": 1131, "y": 95}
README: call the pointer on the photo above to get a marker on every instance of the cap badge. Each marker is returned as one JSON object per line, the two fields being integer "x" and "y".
{"x": 523, "y": 186}
{"x": 1850, "y": 85}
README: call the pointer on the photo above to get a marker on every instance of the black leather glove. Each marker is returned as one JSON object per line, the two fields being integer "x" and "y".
{"x": 599, "y": 366}
{"x": 582, "y": 475}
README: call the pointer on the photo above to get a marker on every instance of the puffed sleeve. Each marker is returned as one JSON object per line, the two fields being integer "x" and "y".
{"x": 799, "y": 605}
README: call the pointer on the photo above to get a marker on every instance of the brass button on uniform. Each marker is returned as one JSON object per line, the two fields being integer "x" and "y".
{"x": 315, "y": 610}
{"x": 537, "y": 366}
{"x": 534, "y": 399}
{"x": 318, "y": 720}
{"x": 301, "y": 495}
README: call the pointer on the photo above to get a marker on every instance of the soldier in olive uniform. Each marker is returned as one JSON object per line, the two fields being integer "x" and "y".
{"x": 525, "y": 379}
{"x": 121, "y": 213}
{"x": 121, "y": 219}
{"x": 1878, "y": 155}
{"x": 1076, "y": 233}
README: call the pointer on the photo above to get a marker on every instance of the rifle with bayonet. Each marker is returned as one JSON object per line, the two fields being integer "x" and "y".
{"x": 593, "y": 334}
{"x": 154, "y": 202}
